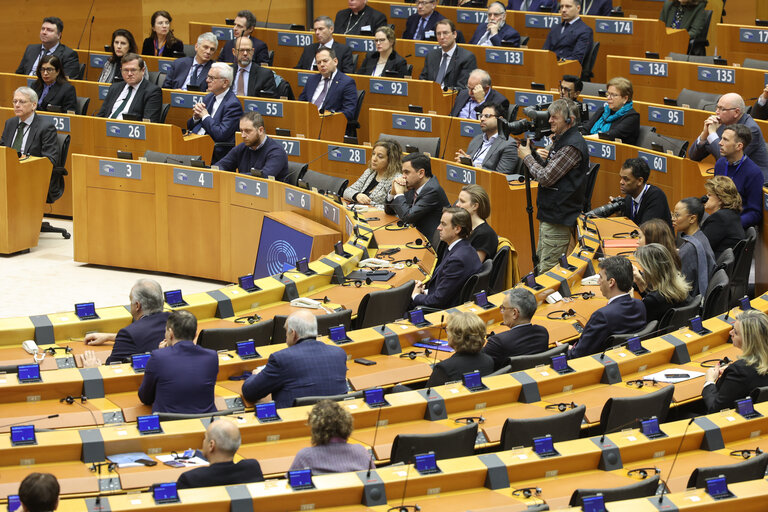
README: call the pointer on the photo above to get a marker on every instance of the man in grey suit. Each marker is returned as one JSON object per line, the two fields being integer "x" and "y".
{"x": 27, "y": 132}
{"x": 133, "y": 95}
{"x": 50, "y": 38}
{"x": 448, "y": 65}
{"x": 490, "y": 150}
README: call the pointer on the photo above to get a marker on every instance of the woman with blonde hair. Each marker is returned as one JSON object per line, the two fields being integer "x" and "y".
{"x": 723, "y": 223}
{"x": 466, "y": 335}
{"x": 723, "y": 386}
{"x": 374, "y": 184}
{"x": 483, "y": 238}
{"x": 660, "y": 283}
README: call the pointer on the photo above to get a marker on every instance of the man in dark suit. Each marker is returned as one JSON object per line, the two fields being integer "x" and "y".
{"x": 532, "y": 5}
{"x": 471, "y": 100}
{"x": 220, "y": 444}
{"x": 359, "y": 19}
{"x": 489, "y": 149}
{"x": 598, "y": 7}
{"x": 522, "y": 338}
{"x": 642, "y": 201}
{"x": 133, "y": 95}
{"x": 421, "y": 24}
{"x": 572, "y": 38}
{"x": 220, "y": 111}
{"x": 250, "y": 79}
{"x": 448, "y": 65}
{"x": 496, "y": 30}
{"x": 459, "y": 262}
{"x": 192, "y": 71}
{"x": 323, "y": 27}
{"x": 307, "y": 367}
{"x": 147, "y": 329}
{"x": 50, "y": 37}
{"x": 257, "y": 151}
{"x": 330, "y": 90}
{"x": 760, "y": 109}
{"x": 245, "y": 22}
{"x": 180, "y": 376}
{"x": 27, "y": 132}
{"x": 416, "y": 196}
{"x": 621, "y": 315}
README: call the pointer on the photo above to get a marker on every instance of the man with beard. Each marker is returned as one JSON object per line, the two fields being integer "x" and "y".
{"x": 489, "y": 149}
{"x": 257, "y": 151}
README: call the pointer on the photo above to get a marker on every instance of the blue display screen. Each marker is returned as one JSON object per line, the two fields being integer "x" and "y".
{"x": 300, "y": 478}
{"x": 593, "y": 504}
{"x": 23, "y": 434}
{"x": 148, "y": 424}
{"x": 696, "y": 324}
{"x": 560, "y": 363}
{"x": 267, "y": 411}
{"x": 417, "y": 316}
{"x": 543, "y": 445}
{"x": 745, "y": 407}
{"x": 85, "y": 310}
{"x": 717, "y": 486}
{"x": 246, "y": 348}
{"x": 246, "y": 283}
{"x": 13, "y": 502}
{"x": 173, "y": 297}
{"x": 338, "y": 333}
{"x": 29, "y": 372}
{"x": 165, "y": 492}
{"x": 473, "y": 380}
{"x": 139, "y": 361}
{"x": 634, "y": 345}
{"x": 426, "y": 462}
{"x": 278, "y": 245}
{"x": 650, "y": 427}
{"x": 374, "y": 397}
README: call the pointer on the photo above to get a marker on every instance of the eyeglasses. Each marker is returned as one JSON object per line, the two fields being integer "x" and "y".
{"x": 612, "y": 95}
{"x": 211, "y": 78}
{"x": 130, "y": 71}
{"x": 495, "y": 14}
{"x": 245, "y": 50}
{"x": 723, "y": 109}
{"x": 486, "y": 116}
{"x": 47, "y": 70}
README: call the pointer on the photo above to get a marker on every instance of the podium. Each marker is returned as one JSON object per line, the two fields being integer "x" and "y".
{"x": 24, "y": 186}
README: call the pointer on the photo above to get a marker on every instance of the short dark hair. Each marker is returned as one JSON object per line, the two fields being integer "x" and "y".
{"x": 742, "y": 133}
{"x": 56, "y": 21}
{"x": 183, "y": 324}
{"x": 497, "y": 110}
{"x": 250, "y": 19}
{"x": 330, "y": 51}
{"x": 39, "y": 492}
{"x": 420, "y": 161}
{"x": 639, "y": 168}
{"x": 620, "y": 269}
{"x": 523, "y": 300}
{"x": 130, "y": 57}
{"x": 446, "y": 21}
{"x": 460, "y": 218}
{"x": 578, "y": 85}
{"x": 694, "y": 207}
{"x": 255, "y": 118}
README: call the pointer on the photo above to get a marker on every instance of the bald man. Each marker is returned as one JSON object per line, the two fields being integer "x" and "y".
{"x": 221, "y": 442}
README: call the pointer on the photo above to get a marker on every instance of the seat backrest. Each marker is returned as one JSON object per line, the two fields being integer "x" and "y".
{"x": 563, "y": 426}
{"x": 169, "y": 158}
{"x": 312, "y": 400}
{"x": 458, "y": 442}
{"x": 429, "y": 145}
{"x": 278, "y": 329}
{"x": 355, "y": 58}
{"x": 325, "y": 182}
{"x": 466, "y": 291}
{"x": 589, "y": 61}
{"x": 698, "y": 100}
{"x": 725, "y": 261}
{"x": 594, "y": 168}
{"x": 325, "y": 322}
{"x": 295, "y": 172}
{"x": 743, "y": 253}
{"x": 619, "y": 412}
{"x": 644, "y": 136}
{"x": 593, "y": 88}
{"x": 164, "y": 112}
{"x": 226, "y": 339}
{"x": 483, "y": 278}
{"x": 62, "y": 147}
{"x": 751, "y": 469}
{"x": 617, "y": 339}
{"x": 499, "y": 270}
{"x": 359, "y": 104}
{"x": 755, "y": 64}
{"x": 82, "y": 105}
{"x": 716, "y": 298}
{"x": 271, "y": 57}
{"x": 189, "y": 50}
{"x": 519, "y": 363}
{"x": 524, "y": 40}
{"x": 759, "y": 394}
{"x": 679, "y": 317}
{"x": 80, "y": 73}
{"x": 500, "y": 371}
{"x": 173, "y": 416}
{"x": 384, "y": 306}
{"x": 678, "y": 147}
{"x": 640, "y": 489}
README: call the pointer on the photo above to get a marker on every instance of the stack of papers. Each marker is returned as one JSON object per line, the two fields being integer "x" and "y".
{"x": 128, "y": 460}
{"x": 673, "y": 376}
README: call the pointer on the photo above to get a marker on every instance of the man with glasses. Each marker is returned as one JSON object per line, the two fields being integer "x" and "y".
{"x": 26, "y": 132}
{"x": 50, "y": 39}
{"x": 448, "y": 65}
{"x": 245, "y": 22}
{"x": 471, "y": 100}
{"x": 489, "y": 149}
{"x": 359, "y": 18}
{"x": 323, "y": 27}
{"x": 421, "y": 24}
{"x": 188, "y": 73}
{"x": 218, "y": 115}
{"x": 570, "y": 87}
{"x": 730, "y": 111}
{"x": 250, "y": 78}
{"x": 135, "y": 96}
{"x": 496, "y": 30}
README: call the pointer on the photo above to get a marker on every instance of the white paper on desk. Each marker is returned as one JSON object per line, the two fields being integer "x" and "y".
{"x": 193, "y": 462}
{"x": 127, "y": 460}
{"x": 659, "y": 376}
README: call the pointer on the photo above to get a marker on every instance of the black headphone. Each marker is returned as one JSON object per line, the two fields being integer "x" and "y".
{"x": 643, "y": 472}
{"x": 71, "y": 399}
{"x": 413, "y": 353}
{"x": 632, "y": 234}
{"x": 51, "y": 351}
{"x": 470, "y": 419}
{"x": 584, "y": 295}
{"x": 561, "y": 314}
{"x": 562, "y": 406}
{"x": 746, "y": 453}
{"x": 710, "y": 363}
{"x": 527, "y": 492}
{"x": 251, "y": 319}
{"x": 357, "y": 282}
{"x": 110, "y": 467}
{"x": 641, "y": 382}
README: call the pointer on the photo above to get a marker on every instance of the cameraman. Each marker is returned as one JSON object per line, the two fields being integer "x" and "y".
{"x": 562, "y": 182}
{"x": 642, "y": 201}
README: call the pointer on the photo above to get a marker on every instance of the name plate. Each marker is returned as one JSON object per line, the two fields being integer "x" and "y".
{"x": 654, "y": 161}
{"x": 400, "y": 11}
{"x": 99, "y": 61}
{"x": 623, "y": 26}
{"x": 349, "y": 155}
{"x": 720, "y": 75}
{"x": 303, "y": 77}
{"x": 130, "y": 170}
{"x": 389, "y": 87}
{"x": 185, "y": 100}
{"x": 298, "y": 199}
{"x": 593, "y": 104}
{"x": 293, "y": 39}
{"x": 422, "y": 49}
{"x": 103, "y": 90}
{"x": 753, "y": 35}
{"x": 360, "y": 44}
{"x": 531, "y": 98}
{"x": 126, "y": 131}
{"x": 203, "y": 179}
{"x": 666, "y": 115}
{"x": 504, "y": 56}
{"x": 291, "y": 147}
{"x": 331, "y": 212}
{"x": 417, "y": 123}
{"x": 251, "y": 187}
{"x": 641, "y": 67}
{"x": 602, "y": 150}
{"x": 223, "y": 33}
{"x": 541, "y": 20}
{"x": 265, "y": 108}
{"x": 469, "y": 129}
{"x": 60, "y": 122}
{"x": 460, "y": 174}
{"x": 165, "y": 66}
{"x": 471, "y": 16}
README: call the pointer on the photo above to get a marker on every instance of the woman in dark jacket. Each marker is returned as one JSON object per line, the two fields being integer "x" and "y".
{"x": 617, "y": 119}
{"x": 660, "y": 283}
{"x": 466, "y": 335}
{"x": 161, "y": 41}
{"x": 385, "y": 58}
{"x": 123, "y": 43}
{"x": 723, "y": 386}
{"x": 52, "y": 86}
{"x": 723, "y": 225}
{"x": 687, "y": 14}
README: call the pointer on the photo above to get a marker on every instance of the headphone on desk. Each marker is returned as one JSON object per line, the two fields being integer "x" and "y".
{"x": 414, "y": 353}
{"x": 561, "y": 314}
{"x": 746, "y": 453}
{"x": 251, "y": 319}
{"x": 562, "y": 406}
{"x": 643, "y": 472}
{"x": 71, "y": 399}
{"x": 632, "y": 234}
{"x": 527, "y": 492}
{"x": 52, "y": 350}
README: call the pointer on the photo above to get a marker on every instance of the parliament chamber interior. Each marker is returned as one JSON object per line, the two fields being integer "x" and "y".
{"x": 628, "y": 426}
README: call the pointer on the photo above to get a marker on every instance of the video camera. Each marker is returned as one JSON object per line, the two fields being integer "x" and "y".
{"x": 609, "y": 209}
{"x": 537, "y": 122}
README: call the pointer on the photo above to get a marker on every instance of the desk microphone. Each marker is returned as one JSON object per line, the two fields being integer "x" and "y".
{"x": 653, "y": 334}
{"x": 664, "y": 489}
{"x": 442, "y": 317}
{"x": 51, "y": 416}
{"x": 85, "y": 23}
{"x": 269, "y": 9}
{"x": 454, "y": 91}
{"x": 373, "y": 446}
{"x": 403, "y": 507}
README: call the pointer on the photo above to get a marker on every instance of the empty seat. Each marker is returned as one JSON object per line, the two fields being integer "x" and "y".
{"x": 226, "y": 339}
{"x": 618, "y": 413}
{"x": 458, "y": 442}
{"x": 519, "y": 363}
{"x": 751, "y": 469}
{"x": 562, "y": 427}
{"x": 640, "y": 489}
{"x": 384, "y": 306}
{"x": 429, "y": 145}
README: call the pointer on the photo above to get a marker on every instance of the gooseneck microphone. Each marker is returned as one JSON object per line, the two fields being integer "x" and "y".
{"x": 442, "y": 317}
{"x": 26, "y": 422}
{"x": 373, "y": 446}
{"x": 671, "y": 467}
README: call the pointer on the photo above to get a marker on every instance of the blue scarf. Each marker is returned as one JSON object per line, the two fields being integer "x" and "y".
{"x": 604, "y": 123}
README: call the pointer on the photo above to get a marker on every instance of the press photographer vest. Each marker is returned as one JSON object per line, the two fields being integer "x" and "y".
{"x": 562, "y": 203}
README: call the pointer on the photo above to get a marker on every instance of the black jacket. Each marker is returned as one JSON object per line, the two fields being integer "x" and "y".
{"x": 394, "y": 63}
{"x": 736, "y": 382}
{"x": 62, "y": 94}
{"x": 653, "y": 205}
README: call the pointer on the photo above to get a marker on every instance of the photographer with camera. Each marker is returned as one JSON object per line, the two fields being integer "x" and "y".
{"x": 562, "y": 181}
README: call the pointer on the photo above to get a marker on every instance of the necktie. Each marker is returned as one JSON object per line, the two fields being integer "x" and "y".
{"x": 415, "y": 197}
{"x": 525, "y": 5}
{"x": 441, "y": 72}
{"x": 320, "y": 99}
{"x": 485, "y": 39}
{"x": 195, "y": 78}
{"x": 240, "y": 82}
{"x": 19, "y": 137}
{"x": 565, "y": 26}
{"x": 678, "y": 18}
{"x": 635, "y": 207}
{"x": 420, "y": 30}
{"x": 37, "y": 62}
{"x": 123, "y": 104}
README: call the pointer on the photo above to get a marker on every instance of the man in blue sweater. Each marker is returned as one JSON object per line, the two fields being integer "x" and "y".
{"x": 745, "y": 173}
{"x": 257, "y": 151}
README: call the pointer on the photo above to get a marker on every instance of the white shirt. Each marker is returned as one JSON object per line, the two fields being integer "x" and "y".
{"x": 246, "y": 72}
{"x": 216, "y": 102}
{"x": 637, "y": 200}
{"x": 617, "y": 296}
{"x": 479, "y": 157}
{"x": 191, "y": 70}
{"x": 122, "y": 96}
{"x": 319, "y": 88}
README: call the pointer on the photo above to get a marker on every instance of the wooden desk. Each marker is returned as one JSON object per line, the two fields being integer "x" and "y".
{"x": 739, "y": 42}
{"x": 24, "y": 186}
